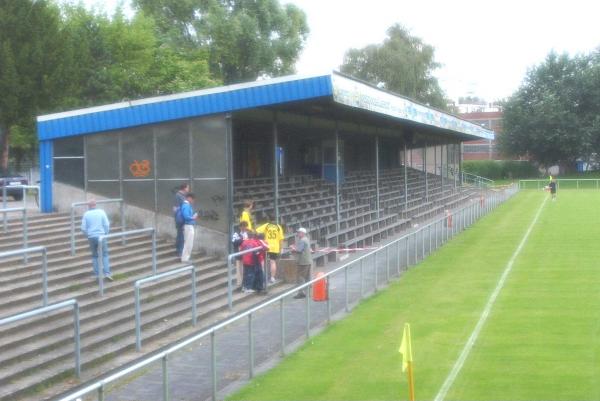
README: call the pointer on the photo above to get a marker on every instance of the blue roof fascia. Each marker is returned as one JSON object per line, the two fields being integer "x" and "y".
{"x": 201, "y": 103}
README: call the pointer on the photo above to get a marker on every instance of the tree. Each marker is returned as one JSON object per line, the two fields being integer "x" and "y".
{"x": 30, "y": 55}
{"x": 553, "y": 116}
{"x": 111, "y": 59}
{"x": 401, "y": 64}
{"x": 244, "y": 39}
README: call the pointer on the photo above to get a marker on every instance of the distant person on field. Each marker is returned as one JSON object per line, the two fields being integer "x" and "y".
{"x": 237, "y": 238}
{"x": 247, "y": 214}
{"x": 274, "y": 237}
{"x": 302, "y": 248}
{"x": 552, "y": 186}
{"x": 94, "y": 224}
{"x": 179, "y": 199}
{"x": 189, "y": 223}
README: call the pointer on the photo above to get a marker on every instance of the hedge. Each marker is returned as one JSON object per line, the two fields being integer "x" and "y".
{"x": 500, "y": 169}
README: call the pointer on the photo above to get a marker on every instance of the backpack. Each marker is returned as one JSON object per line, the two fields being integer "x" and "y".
{"x": 179, "y": 216}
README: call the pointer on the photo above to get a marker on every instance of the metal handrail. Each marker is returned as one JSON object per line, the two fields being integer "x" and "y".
{"x": 70, "y": 303}
{"x": 79, "y": 204}
{"x": 23, "y": 220}
{"x": 25, "y": 252}
{"x": 475, "y": 209}
{"x": 481, "y": 182}
{"x": 229, "y": 275}
{"x": 137, "y": 286}
{"x": 123, "y": 234}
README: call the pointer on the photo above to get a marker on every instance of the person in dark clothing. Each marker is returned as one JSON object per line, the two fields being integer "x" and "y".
{"x": 179, "y": 199}
{"x": 552, "y": 186}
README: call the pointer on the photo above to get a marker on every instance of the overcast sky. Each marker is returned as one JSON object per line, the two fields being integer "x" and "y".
{"x": 485, "y": 47}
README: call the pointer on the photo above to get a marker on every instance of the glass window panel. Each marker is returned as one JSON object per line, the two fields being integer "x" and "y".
{"x": 103, "y": 156}
{"x": 172, "y": 150}
{"x": 209, "y": 147}
{"x": 211, "y": 202}
{"x": 69, "y": 171}
{"x": 139, "y": 193}
{"x": 138, "y": 153}
{"x": 69, "y": 146}
{"x": 104, "y": 189}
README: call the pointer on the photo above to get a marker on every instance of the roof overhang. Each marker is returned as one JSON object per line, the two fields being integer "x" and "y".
{"x": 340, "y": 89}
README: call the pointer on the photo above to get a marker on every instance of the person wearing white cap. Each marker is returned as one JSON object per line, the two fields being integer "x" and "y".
{"x": 302, "y": 248}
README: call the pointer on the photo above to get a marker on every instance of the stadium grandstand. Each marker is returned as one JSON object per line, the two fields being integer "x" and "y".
{"x": 353, "y": 164}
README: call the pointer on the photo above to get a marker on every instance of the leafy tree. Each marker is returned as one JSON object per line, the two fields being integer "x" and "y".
{"x": 30, "y": 58}
{"x": 244, "y": 39}
{"x": 553, "y": 116}
{"x": 402, "y": 64}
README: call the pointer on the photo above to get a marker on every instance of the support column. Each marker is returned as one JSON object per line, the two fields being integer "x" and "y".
{"x": 454, "y": 164}
{"x": 460, "y": 158}
{"x": 405, "y": 179}
{"x": 425, "y": 169}
{"x": 377, "y": 172}
{"x": 337, "y": 177}
{"x": 275, "y": 168}
{"x": 229, "y": 160}
{"x": 442, "y": 164}
{"x": 46, "y": 175}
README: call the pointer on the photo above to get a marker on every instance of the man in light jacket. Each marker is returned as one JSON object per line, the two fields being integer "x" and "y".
{"x": 94, "y": 224}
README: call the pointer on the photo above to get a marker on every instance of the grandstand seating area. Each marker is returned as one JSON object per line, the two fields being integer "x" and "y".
{"x": 41, "y": 349}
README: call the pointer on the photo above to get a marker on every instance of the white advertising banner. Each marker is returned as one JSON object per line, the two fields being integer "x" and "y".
{"x": 356, "y": 94}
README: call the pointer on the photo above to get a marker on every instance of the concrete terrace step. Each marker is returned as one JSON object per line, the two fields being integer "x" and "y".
{"x": 19, "y": 385}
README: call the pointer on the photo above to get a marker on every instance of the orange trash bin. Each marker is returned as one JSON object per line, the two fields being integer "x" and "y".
{"x": 319, "y": 290}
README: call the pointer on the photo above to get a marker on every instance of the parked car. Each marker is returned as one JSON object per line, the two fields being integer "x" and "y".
{"x": 11, "y": 179}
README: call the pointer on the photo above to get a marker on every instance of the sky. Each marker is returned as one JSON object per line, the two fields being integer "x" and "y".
{"x": 485, "y": 47}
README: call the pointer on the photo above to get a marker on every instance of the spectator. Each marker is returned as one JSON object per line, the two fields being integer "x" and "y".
{"x": 179, "y": 199}
{"x": 252, "y": 262}
{"x": 94, "y": 224}
{"x": 237, "y": 239}
{"x": 260, "y": 272}
{"x": 247, "y": 214}
{"x": 302, "y": 248}
{"x": 274, "y": 237}
{"x": 189, "y": 221}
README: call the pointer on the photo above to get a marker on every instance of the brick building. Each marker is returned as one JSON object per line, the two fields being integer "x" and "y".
{"x": 483, "y": 149}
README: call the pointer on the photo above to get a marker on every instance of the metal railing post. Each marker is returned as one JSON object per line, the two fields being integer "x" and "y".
{"x": 138, "y": 323}
{"x": 229, "y": 280}
{"x": 308, "y": 312}
{"x": 376, "y": 275}
{"x": 282, "y": 327}
{"x": 153, "y": 251}
{"x": 122, "y": 212}
{"x": 194, "y": 297}
{"x": 77, "y": 336}
{"x": 4, "y": 206}
{"x": 398, "y": 257}
{"x": 362, "y": 278}
{"x": 407, "y": 252}
{"x": 45, "y": 276}
{"x": 165, "y": 377}
{"x": 72, "y": 223}
{"x": 387, "y": 264}
{"x": 346, "y": 307}
{"x": 250, "y": 348}
{"x": 213, "y": 364}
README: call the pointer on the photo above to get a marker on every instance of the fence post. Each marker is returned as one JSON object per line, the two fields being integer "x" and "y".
{"x": 213, "y": 364}
{"x": 4, "y": 206}
{"x": 25, "y": 234}
{"x": 308, "y": 312}
{"x": 250, "y": 348}
{"x": 229, "y": 279}
{"x": 165, "y": 376}
{"x": 346, "y": 289}
{"x": 282, "y": 328}
{"x": 194, "y": 300}
{"x": 387, "y": 263}
{"x": 122, "y": 212}
{"x": 138, "y": 323}
{"x": 362, "y": 283}
{"x": 376, "y": 275}
{"x": 45, "y": 275}
{"x": 77, "y": 335}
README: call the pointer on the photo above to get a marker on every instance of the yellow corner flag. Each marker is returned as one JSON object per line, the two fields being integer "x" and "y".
{"x": 407, "y": 359}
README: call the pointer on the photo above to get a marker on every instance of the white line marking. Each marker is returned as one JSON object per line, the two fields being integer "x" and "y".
{"x": 486, "y": 312}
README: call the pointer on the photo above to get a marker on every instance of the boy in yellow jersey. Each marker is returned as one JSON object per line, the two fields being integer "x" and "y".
{"x": 247, "y": 214}
{"x": 274, "y": 237}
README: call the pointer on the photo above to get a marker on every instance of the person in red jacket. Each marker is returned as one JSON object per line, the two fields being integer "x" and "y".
{"x": 251, "y": 262}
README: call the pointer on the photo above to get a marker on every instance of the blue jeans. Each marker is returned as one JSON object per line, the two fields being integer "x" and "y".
{"x": 94, "y": 249}
{"x": 179, "y": 239}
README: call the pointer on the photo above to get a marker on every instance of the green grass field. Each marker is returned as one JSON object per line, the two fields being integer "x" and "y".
{"x": 541, "y": 340}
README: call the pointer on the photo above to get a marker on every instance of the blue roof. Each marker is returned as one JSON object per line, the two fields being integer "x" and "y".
{"x": 232, "y": 98}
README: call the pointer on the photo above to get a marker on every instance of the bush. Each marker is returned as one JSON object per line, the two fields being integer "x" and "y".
{"x": 501, "y": 169}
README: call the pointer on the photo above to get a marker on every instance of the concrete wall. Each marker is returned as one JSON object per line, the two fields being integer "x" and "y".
{"x": 206, "y": 240}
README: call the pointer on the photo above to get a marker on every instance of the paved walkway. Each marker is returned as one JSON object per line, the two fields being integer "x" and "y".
{"x": 189, "y": 370}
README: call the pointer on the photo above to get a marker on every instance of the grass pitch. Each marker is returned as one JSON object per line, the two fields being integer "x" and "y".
{"x": 540, "y": 341}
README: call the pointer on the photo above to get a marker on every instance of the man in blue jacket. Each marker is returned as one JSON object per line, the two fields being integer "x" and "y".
{"x": 189, "y": 221}
{"x": 94, "y": 224}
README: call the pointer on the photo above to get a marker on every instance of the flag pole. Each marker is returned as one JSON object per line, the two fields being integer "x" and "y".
{"x": 411, "y": 382}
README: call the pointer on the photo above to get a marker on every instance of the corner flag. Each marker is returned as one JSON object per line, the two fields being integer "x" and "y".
{"x": 407, "y": 359}
{"x": 405, "y": 348}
